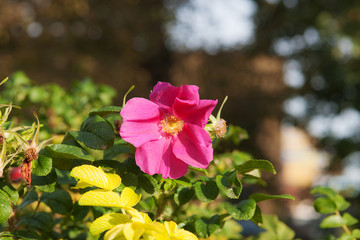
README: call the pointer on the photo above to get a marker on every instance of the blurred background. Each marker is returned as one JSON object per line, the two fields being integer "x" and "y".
{"x": 289, "y": 67}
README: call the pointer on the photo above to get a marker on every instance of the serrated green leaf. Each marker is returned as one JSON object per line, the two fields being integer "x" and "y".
{"x": 96, "y": 133}
{"x": 229, "y": 184}
{"x": 59, "y": 201}
{"x": 62, "y": 151}
{"x": 44, "y": 183}
{"x": 206, "y": 192}
{"x": 346, "y": 236}
{"x": 356, "y": 233}
{"x": 255, "y": 164}
{"x": 259, "y": 197}
{"x": 324, "y": 205}
{"x": 43, "y": 165}
{"x": 9, "y": 192}
{"x": 204, "y": 227}
{"x": 5, "y": 207}
{"x": 119, "y": 147}
{"x": 244, "y": 210}
{"x": 129, "y": 179}
{"x": 30, "y": 197}
{"x": 41, "y": 221}
{"x": 183, "y": 195}
{"x": 106, "y": 111}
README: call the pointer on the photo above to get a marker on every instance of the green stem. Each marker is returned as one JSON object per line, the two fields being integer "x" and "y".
{"x": 345, "y": 227}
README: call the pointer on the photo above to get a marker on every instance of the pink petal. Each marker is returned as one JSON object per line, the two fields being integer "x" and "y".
{"x": 140, "y": 121}
{"x": 156, "y": 157}
{"x": 139, "y": 109}
{"x": 189, "y": 92}
{"x": 193, "y": 146}
{"x": 164, "y": 94}
{"x": 194, "y": 113}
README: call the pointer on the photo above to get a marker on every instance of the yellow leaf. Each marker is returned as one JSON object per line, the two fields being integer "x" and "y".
{"x": 89, "y": 175}
{"x": 171, "y": 227}
{"x": 133, "y": 231}
{"x": 182, "y": 234}
{"x": 107, "y": 222}
{"x": 100, "y": 197}
{"x": 116, "y": 233}
{"x": 137, "y": 216}
{"x": 129, "y": 198}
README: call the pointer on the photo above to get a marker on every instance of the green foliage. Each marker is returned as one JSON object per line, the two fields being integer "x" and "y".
{"x": 333, "y": 203}
{"x": 48, "y": 202}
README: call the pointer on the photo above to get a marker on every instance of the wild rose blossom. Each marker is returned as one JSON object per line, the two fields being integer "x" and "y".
{"x": 168, "y": 130}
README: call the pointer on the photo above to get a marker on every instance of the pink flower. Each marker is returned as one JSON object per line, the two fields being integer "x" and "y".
{"x": 168, "y": 131}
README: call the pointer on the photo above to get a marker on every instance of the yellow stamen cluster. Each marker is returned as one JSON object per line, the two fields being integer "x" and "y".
{"x": 171, "y": 125}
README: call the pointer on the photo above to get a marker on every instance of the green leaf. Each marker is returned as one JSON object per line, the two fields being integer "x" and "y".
{"x": 229, "y": 184}
{"x": 324, "y": 205}
{"x": 244, "y": 210}
{"x": 9, "y": 192}
{"x": 59, "y": 201}
{"x": 148, "y": 183}
{"x": 43, "y": 165}
{"x": 5, "y": 207}
{"x": 255, "y": 164}
{"x": 27, "y": 234}
{"x": 332, "y": 221}
{"x": 129, "y": 179}
{"x": 96, "y": 133}
{"x": 275, "y": 229}
{"x": 44, "y": 183}
{"x": 356, "y": 233}
{"x": 324, "y": 191}
{"x": 184, "y": 181}
{"x": 30, "y": 197}
{"x": 80, "y": 212}
{"x": 183, "y": 195}
{"x": 41, "y": 221}
{"x": 257, "y": 218}
{"x": 119, "y": 147}
{"x": 349, "y": 220}
{"x": 169, "y": 184}
{"x": 62, "y": 151}
{"x": 340, "y": 202}
{"x": 204, "y": 227}
{"x": 106, "y": 111}
{"x": 259, "y": 197}
{"x": 206, "y": 192}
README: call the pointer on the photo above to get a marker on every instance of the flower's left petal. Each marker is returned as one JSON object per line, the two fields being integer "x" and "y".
{"x": 193, "y": 146}
{"x": 192, "y": 112}
{"x": 107, "y": 222}
{"x": 116, "y": 233}
{"x": 182, "y": 234}
{"x": 139, "y": 109}
{"x": 100, "y": 197}
{"x": 140, "y": 121}
{"x": 129, "y": 198}
{"x": 156, "y": 157}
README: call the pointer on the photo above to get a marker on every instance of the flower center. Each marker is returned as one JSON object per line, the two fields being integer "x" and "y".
{"x": 171, "y": 125}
